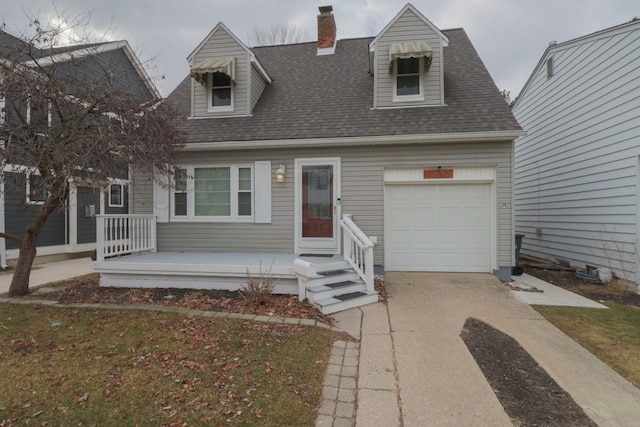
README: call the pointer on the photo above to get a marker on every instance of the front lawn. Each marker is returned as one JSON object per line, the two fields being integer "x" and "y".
{"x": 612, "y": 335}
{"x": 130, "y": 367}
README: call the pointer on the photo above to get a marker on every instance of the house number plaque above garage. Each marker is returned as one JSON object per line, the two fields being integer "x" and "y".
{"x": 438, "y": 173}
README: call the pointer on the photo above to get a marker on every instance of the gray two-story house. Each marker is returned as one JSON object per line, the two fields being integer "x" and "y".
{"x": 400, "y": 144}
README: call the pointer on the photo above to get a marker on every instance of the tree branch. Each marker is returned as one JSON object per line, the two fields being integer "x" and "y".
{"x": 11, "y": 237}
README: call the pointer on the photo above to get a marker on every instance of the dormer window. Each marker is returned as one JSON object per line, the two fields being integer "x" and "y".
{"x": 218, "y": 76}
{"x": 220, "y": 96}
{"x": 408, "y": 77}
{"x": 408, "y": 63}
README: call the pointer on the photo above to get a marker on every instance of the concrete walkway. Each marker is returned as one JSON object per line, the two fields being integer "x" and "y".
{"x": 550, "y": 294}
{"x": 415, "y": 370}
{"x": 50, "y": 272}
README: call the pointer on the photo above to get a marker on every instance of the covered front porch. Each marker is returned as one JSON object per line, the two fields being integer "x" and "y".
{"x": 127, "y": 256}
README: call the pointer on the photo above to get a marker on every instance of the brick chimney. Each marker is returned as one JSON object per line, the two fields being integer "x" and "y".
{"x": 326, "y": 31}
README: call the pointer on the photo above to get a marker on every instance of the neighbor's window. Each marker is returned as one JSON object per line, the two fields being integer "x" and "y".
{"x": 550, "y": 67}
{"x": 408, "y": 79}
{"x": 116, "y": 196}
{"x": 214, "y": 192}
{"x": 2, "y": 110}
{"x": 221, "y": 90}
{"x": 36, "y": 190}
{"x": 38, "y": 112}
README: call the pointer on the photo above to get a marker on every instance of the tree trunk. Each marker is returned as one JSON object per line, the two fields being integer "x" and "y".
{"x": 22, "y": 271}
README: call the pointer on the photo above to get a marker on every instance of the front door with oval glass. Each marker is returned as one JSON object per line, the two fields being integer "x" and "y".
{"x": 317, "y": 186}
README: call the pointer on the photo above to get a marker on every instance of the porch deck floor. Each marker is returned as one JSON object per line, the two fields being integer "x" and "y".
{"x": 209, "y": 262}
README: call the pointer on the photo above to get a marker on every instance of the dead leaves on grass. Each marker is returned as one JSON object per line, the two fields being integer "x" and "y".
{"x": 197, "y": 367}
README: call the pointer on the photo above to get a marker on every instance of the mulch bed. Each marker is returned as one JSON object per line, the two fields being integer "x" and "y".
{"x": 569, "y": 280}
{"x": 527, "y": 393}
{"x": 87, "y": 290}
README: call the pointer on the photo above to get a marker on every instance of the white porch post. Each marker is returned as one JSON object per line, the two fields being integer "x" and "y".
{"x": 100, "y": 238}
{"x": 103, "y": 204}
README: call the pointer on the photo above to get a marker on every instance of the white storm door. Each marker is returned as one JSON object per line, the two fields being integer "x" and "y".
{"x": 317, "y": 209}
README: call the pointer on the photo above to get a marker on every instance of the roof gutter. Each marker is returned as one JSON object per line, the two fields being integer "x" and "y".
{"x": 497, "y": 136}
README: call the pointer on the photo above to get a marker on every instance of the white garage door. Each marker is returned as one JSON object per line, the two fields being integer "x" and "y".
{"x": 438, "y": 227}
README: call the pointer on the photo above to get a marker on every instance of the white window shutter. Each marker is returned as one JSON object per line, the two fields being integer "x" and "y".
{"x": 262, "y": 190}
{"x": 161, "y": 197}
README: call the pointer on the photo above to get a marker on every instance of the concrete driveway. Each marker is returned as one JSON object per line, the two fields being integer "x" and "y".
{"x": 415, "y": 370}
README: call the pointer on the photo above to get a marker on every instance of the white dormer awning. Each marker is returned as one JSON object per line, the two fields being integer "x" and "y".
{"x": 410, "y": 50}
{"x": 223, "y": 65}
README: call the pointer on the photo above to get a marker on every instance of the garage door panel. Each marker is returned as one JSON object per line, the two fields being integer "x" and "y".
{"x": 449, "y": 237}
{"x": 438, "y": 227}
{"x": 452, "y": 214}
{"x": 424, "y": 238}
{"x": 422, "y": 213}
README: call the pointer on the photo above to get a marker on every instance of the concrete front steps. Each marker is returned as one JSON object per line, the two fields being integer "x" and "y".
{"x": 333, "y": 286}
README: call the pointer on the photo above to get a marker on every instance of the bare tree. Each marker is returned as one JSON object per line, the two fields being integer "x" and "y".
{"x": 277, "y": 34}
{"x": 506, "y": 95}
{"x": 73, "y": 113}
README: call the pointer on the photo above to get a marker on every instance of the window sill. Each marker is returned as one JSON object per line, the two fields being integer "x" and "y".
{"x": 408, "y": 98}
{"x": 220, "y": 109}
{"x": 211, "y": 219}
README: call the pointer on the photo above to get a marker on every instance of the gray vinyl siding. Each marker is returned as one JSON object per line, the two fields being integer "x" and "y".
{"x": 222, "y": 44}
{"x": 577, "y": 169}
{"x": 18, "y": 215}
{"x": 407, "y": 28}
{"x": 362, "y": 192}
{"x": 257, "y": 86}
{"x": 141, "y": 193}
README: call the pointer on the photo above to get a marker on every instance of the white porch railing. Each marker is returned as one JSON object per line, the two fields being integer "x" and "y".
{"x": 358, "y": 251}
{"x": 124, "y": 234}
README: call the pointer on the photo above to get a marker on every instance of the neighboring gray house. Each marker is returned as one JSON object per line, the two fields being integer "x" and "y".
{"x": 399, "y": 145}
{"x": 578, "y": 167}
{"x": 71, "y": 231}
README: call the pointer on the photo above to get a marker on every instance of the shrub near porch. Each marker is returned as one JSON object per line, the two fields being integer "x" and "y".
{"x": 65, "y": 367}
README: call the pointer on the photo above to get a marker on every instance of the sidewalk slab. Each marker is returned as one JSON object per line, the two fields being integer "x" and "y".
{"x": 51, "y": 272}
{"x": 550, "y": 295}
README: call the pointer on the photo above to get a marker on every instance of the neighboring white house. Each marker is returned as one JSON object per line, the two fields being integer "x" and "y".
{"x": 577, "y": 178}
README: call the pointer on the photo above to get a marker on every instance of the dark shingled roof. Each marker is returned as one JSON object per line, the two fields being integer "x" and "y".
{"x": 11, "y": 46}
{"x": 332, "y": 96}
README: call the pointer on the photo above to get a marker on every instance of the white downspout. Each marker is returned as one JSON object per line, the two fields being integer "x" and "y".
{"x": 73, "y": 214}
{"x": 3, "y": 246}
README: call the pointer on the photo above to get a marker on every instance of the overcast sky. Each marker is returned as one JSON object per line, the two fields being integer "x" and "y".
{"x": 509, "y": 35}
